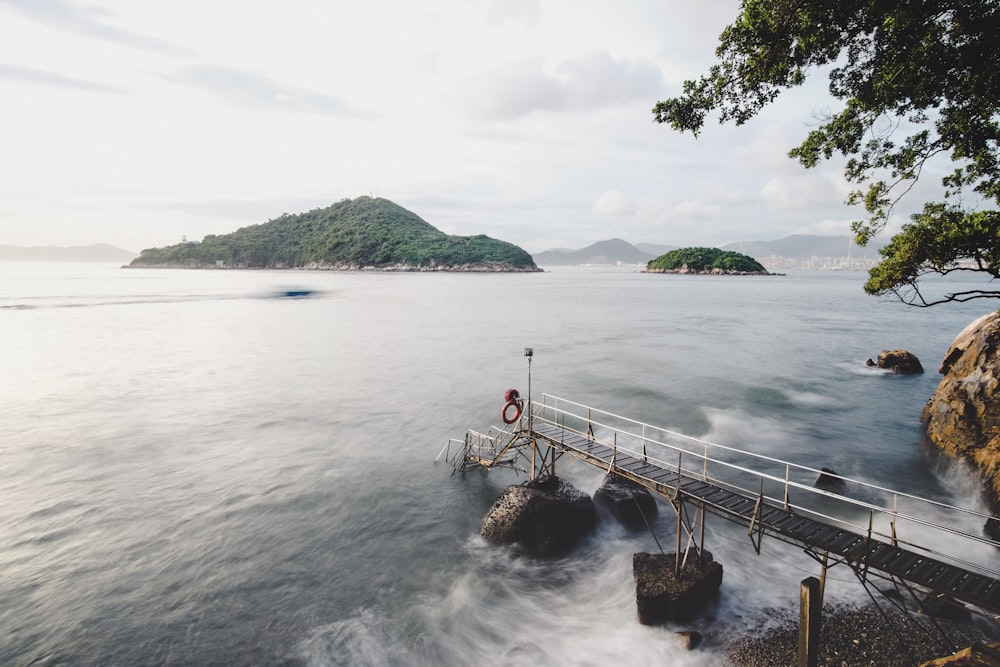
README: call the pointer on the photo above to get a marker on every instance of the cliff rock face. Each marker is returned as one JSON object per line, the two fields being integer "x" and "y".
{"x": 963, "y": 416}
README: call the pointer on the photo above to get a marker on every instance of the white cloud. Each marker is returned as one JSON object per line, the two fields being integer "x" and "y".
{"x": 528, "y": 12}
{"x": 252, "y": 90}
{"x": 615, "y": 204}
{"x": 691, "y": 210}
{"x": 32, "y": 75}
{"x": 595, "y": 79}
{"x": 591, "y": 81}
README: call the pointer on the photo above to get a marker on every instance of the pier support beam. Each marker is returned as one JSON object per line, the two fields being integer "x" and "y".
{"x": 810, "y": 610}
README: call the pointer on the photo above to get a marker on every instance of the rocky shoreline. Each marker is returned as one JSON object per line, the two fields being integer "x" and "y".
{"x": 863, "y": 637}
{"x": 355, "y": 268}
{"x": 684, "y": 271}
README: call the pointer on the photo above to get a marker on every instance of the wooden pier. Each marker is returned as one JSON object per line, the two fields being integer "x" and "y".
{"x": 752, "y": 490}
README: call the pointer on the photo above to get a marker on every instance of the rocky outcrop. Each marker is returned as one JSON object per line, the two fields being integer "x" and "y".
{"x": 544, "y": 517}
{"x": 661, "y": 595}
{"x": 829, "y": 480}
{"x": 963, "y": 416}
{"x": 630, "y": 503}
{"x": 900, "y": 362}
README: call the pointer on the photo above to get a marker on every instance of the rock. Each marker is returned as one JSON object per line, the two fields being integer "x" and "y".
{"x": 963, "y": 416}
{"x": 688, "y": 639}
{"x": 661, "y": 596}
{"x": 825, "y": 481}
{"x": 544, "y": 517}
{"x": 627, "y": 501}
{"x": 900, "y": 362}
{"x": 942, "y": 606}
{"x": 992, "y": 528}
{"x": 977, "y": 655}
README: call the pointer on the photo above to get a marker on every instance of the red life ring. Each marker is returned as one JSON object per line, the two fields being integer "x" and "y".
{"x": 511, "y": 395}
{"x": 517, "y": 411}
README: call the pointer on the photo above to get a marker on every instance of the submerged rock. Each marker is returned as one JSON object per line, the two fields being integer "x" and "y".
{"x": 688, "y": 639}
{"x": 829, "y": 481}
{"x": 992, "y": 528}
{"x": 963, "y": 416}
{"x": 630, "y": 503}
{"x": 544, "y": 517}
{"x": 900, "y": 362}
{"x": 942, "y": 606}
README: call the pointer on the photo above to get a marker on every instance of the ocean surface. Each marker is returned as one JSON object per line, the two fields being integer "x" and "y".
{"x": 196, "y": 470}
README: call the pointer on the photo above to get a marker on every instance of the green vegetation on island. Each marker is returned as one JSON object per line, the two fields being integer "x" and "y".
{"x": 362, "y": 233}
{"x": 705, "y": 260}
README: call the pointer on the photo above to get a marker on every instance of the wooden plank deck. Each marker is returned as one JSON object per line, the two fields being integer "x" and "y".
{"x": 855, "y": 548}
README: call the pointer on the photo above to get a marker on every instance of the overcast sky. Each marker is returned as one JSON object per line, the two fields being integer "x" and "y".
{"x": 138, "y": 122}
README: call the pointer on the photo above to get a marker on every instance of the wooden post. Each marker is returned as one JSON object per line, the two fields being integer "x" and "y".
{"x": 810, "y": 608}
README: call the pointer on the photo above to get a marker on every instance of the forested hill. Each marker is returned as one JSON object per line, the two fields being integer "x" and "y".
{"x": 353, "y": 234}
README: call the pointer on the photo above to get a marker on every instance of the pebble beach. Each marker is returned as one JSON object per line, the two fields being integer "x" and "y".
{"x": 865, "y": 637}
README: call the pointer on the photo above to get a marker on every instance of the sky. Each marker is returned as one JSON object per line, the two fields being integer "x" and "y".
{"x": 141, "y": 122}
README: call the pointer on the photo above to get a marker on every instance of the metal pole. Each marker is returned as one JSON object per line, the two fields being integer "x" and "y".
{"x": 701, "y": 548}
{"x": 677, "y": 553}
{"x": 531, "y": 418}
{"x": 787, "y": 473}
{"x": 529, "y": 353}
{"x": 822, "y": 577}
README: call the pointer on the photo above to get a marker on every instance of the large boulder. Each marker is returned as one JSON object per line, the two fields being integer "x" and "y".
{"x": 630, "y": 503}
{"x": 545, "y": 517}
{"x": 963, "y": 416}
{"x": 663, "y": 595}
{"x": 900, "y": 362}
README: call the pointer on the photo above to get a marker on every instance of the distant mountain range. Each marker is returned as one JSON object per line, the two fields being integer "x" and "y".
{"x": 797, "y": 246}
{"x": 100, "y": 252}
{"x": 613, "y": 251}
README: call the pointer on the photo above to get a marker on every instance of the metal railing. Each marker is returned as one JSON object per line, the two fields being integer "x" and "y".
{"x": 920, "y": 524}
{"x": 483, "y": 449}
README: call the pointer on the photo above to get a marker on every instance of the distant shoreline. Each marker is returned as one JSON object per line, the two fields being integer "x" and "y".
{"x": 346, "y": 268}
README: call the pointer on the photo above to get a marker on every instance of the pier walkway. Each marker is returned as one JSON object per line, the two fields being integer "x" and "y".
{"x": 914, "y": 542}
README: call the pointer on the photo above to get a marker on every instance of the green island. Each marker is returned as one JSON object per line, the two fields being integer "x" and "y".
{"x": 354, "y": 234}
{"x": 706, "y": 260}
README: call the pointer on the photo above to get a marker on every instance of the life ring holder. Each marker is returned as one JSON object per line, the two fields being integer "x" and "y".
{"x": 513, "y": 398}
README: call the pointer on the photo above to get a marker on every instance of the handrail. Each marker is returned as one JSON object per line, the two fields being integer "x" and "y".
{"x": 744, "y": 452}
{"x": 551, "y": 408}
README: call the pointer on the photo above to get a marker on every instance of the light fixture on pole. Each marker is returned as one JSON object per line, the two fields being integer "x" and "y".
{"x": 529, "y": 353}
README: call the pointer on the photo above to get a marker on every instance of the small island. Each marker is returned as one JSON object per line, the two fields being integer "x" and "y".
{"x": 363, "y": 234}
{"x": 711, "y": 261}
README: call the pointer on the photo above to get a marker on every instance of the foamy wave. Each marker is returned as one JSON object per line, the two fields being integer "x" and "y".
{"x": 742, "y": 430}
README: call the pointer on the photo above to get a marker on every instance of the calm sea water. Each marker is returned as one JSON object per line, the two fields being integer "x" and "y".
{"x": 196, "y": 472}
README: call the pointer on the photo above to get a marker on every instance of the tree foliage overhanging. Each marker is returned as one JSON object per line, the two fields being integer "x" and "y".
{"x": 358, "y": 233}
{"x": 704, "y": 260}
{"x": 918, "y": 81}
